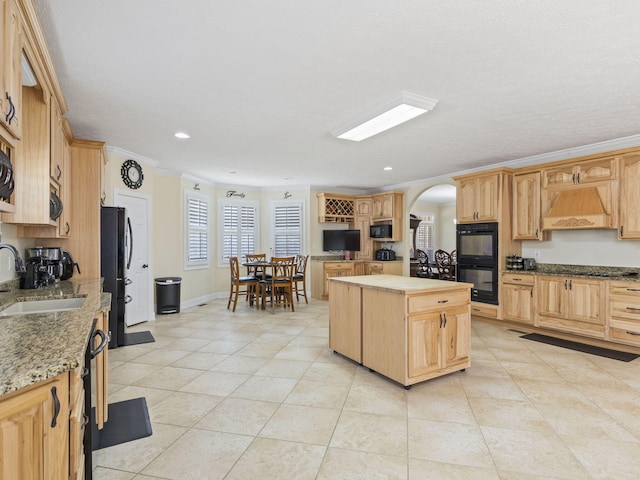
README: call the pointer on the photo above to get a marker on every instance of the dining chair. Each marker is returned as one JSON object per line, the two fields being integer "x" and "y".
{"x": 247, "y": 284}
{"x": 444, "y": 265}
{"x": 279, "y": 287}
{"x": 258, "y": 271}
{"x": 300, "y": 275}
{"x": 424, "y": 268}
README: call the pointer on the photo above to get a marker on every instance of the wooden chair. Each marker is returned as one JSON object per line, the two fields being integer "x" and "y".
{"x": 300, "y": 275}
{"x": 258, "y": 271}
{"x": 454, "y": 256}
{"x": 246, "y": 285}
{"x": 446, "y": 270}
{"x": 279, "y": 288}
{"x": 424, "y": 269}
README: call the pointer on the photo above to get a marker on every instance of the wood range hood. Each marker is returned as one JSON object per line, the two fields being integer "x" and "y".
{"x": 575, "y": 209}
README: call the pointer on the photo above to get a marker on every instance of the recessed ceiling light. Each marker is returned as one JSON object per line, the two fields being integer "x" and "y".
{"x": 182, "y": 135}
{"x": 233, "y": 171}
{"x": 385, "y": 115}
{"x": 388, "y": 168}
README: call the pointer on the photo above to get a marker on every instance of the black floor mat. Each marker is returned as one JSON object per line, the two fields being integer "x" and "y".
{"x": 136, "y": 338}
{"x": 128, "y": 420}
{"x": 581, "y": 347}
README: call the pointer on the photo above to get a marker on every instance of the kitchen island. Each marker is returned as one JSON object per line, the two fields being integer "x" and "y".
{"x": 405, "y": 328}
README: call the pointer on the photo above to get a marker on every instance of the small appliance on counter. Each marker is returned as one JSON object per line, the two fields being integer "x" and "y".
{"x": 68, "y": 265}
{"x": 528, "y": 264}
{"x": 385, "y": 255}
{"x": 514, "y": 262}
{"x": 43, "y": 267}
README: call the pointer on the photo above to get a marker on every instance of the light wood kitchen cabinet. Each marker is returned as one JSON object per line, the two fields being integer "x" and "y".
{"x": 34, "y": 431}
{"x": 387, "y": 209}
{"x": 8, "y": 148}
{"x": 410, "y": 329}
{"x": 580, "y": 173}
{"x": 383, "y": 206}
{"x": 335, "y": 208}
{"x": 321, "y": 272}
{"x": 629, "y": 209}
{"x": 362, "y": 222}
{"x": 477, "y": 198}
{"x": 518, "y": 301}
{"x": 11, "y": 78}
{"x": 527, "y": 224}
{"x": 78, "y": 421}
{"x": 571, "y": 305}
{"x": 624, "y": 312}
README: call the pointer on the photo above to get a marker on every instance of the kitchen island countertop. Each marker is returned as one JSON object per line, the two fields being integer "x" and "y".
{"x": 36, "y": 347}
{"x": 402, "y": 284}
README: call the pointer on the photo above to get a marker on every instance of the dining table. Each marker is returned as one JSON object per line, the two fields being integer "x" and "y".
{"x": 262, "y": 269}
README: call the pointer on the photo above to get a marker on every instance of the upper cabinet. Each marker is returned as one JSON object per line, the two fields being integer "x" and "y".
{"x": 11, "y": 77}
{"x": 477, "y": 198}
{"x": 526, "y": 207}
{"x": 335, "y": 208}
{"x": 580, "y": 194}
{"x": 629, "y": 197}
{"x": 387, "y": 209}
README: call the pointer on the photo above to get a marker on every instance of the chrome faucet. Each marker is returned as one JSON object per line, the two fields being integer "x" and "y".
{"x": 19, "y": 263}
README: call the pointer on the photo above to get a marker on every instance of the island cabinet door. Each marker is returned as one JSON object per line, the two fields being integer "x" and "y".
{"x": 424, "y": 343}
{"x": 456, "y": 345}
{"x": 345, "y": 313}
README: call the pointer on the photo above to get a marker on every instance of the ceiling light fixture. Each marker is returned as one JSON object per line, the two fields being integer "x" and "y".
{"x": 182, "y": 135}
{"x": 388, "y": 168}
{"x": 385, "y": 115}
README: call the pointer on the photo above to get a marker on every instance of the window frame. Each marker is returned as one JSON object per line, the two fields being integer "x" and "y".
{"x": 222, "y": 231}
{"x": 299, "y": 204}
{"x": 188, "y": 229}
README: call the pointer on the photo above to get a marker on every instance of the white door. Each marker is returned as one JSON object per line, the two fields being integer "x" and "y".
{"x": 138, "y": 288}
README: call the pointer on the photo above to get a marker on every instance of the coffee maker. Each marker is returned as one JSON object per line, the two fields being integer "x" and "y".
{"x": 43, "y": 267}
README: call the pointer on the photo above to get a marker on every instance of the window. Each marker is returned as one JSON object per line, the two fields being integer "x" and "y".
{"x": 426, "y": 238}
{"x": 238, "y": 229}
{"x": 197, "y": 231}
{"x": 287, "y": 228}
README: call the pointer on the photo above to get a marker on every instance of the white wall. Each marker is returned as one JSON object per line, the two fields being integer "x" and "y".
{"x": 585, "y": 247}
{"x": 7, "y": 262}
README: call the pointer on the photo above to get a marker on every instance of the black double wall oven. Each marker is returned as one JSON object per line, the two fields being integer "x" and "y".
{"x": 477, "y": 251}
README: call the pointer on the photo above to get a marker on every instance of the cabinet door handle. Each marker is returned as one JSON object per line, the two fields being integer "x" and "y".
{"x": 570, "y": 284}
{"x": 85, "y": 420}
{"x": 565, "y": 284}
{"x": 573, "y": 178}
{"x": 633, "y": 289}
{"x": 636, "y": 334}
{"x": 443, "y": 301}
{"x": 444, "y": 315}
{"x": 59, "y": 172}
{"x": 621, "y": 230}
{"x": 440, "y": 320}
{"x": 537, "y": 230}
{"x": 85, "y": 372}
{"x": 103, "y": 342}
{"x": 68, "y": 228}
{"x": 531, "y": 292}
{"x": 517, "y": 279}
{"x": 12, "y": 109}
{"x": 56, "y": 406}
{"x": 633, "y": 309}
{"x": 578, "y": 178}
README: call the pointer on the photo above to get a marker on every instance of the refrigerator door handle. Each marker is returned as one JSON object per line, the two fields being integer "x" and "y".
{"x": 128, "y": 281}
{"x": 130, "y": 243}
{"x": 128, "y": 299}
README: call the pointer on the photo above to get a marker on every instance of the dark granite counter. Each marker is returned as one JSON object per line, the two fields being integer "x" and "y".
{"x": 35, "y": 347}
{"x": 627, "y": 274}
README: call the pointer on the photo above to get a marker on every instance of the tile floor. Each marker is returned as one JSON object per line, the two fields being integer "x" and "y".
{"x": 256, "y": 395}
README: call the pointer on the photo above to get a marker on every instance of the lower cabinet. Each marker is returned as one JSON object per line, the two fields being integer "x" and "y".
{"x": 34, "y": 431}
{"x": 571, "y": 305}
{"x": 321, "y": 272}
{"x": 518, "y": 298}
{"x": 624, "y": 312}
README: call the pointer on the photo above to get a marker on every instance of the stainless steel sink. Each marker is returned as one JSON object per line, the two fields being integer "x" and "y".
{"x": 43, "y": 306}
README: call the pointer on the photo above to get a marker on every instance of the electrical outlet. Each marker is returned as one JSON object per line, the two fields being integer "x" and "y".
{"x": 537, "y": 254}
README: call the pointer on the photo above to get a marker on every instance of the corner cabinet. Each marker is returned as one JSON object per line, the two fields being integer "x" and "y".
{"x": 335, "y": 208}
{"x": 387, "y": 208}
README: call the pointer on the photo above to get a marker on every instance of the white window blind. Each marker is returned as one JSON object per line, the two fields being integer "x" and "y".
{"x": 287, "y": 228}
{"x": 197, "y": 219}
{"x": 425, "y": 238}
{"x": 239, "y": 229}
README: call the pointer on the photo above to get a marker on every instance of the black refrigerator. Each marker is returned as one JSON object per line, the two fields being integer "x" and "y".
{"x": 113, "y": 266}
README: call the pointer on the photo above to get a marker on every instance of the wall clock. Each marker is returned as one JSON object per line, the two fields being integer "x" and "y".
{"x": 131, "y": 172}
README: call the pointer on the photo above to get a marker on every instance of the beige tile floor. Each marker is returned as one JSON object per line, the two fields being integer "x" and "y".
{"x": 256, "y": 395}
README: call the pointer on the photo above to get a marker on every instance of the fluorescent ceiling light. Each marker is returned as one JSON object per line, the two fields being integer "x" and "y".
{"x": 385, "y": 115}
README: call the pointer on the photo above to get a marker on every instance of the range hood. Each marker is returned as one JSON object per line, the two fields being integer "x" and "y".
{"x": 577, "y": 208}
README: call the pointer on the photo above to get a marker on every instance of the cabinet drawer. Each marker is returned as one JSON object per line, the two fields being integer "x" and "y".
{"x": 626, "y": 289}
{"x": 624, "y": 308}
{"x": 490, "y": 311}
{"x": 518, "y": 279}
{"x": 421, "y": 303}
{"x": 338, "y": 266}
{"x": 626, "y": 335}
{"x": 572, "y": 326}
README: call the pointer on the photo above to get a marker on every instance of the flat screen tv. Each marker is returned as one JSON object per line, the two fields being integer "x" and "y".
{"x": 333, "y": 240}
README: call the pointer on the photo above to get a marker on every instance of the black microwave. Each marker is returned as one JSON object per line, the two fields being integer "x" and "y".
{"x": 380, "y": 231}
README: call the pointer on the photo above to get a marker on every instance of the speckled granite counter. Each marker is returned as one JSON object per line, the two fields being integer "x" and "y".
{"x": 627, "y": 274}
{"x": 39, "y": 346}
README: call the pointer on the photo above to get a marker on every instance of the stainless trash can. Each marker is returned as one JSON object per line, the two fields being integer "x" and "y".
{"x": 168, "y": 294}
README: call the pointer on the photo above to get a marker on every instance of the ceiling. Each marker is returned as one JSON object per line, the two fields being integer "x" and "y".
{"x": 259, "y": 85}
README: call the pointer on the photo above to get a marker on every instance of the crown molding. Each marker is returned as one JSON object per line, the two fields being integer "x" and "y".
{"x": 133, "y": 156}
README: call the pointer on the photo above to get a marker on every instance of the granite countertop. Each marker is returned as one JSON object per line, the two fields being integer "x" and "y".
{"x": 402, "y": 284}
{"x": 626, "y": 274}
{"x": 35, "y": 347}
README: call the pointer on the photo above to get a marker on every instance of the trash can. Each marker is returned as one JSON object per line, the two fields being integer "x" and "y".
{"x": 168, "y": 294}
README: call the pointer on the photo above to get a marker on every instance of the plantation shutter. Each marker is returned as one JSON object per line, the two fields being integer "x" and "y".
{"x": 197, "y": 231}
{"x": 287, "y": 229}
{"x": 239, "y": 227}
